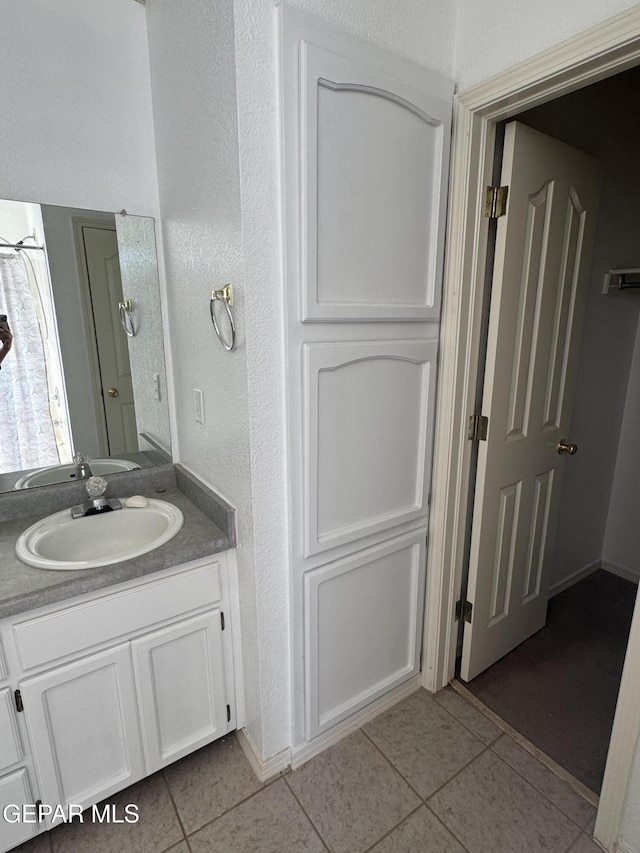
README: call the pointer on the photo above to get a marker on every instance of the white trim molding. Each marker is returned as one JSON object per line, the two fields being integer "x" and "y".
{"x": 620, "y": 571}
{"x": 264, "y": 769}
{"x": 302, "y": 754}
{"x": 575, "y": 578}
{"x": 600, "y": 52}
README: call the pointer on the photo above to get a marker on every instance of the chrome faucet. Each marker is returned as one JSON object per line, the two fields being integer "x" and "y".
{"x": 83, "y": 469}
{"x": 96, "y": 503}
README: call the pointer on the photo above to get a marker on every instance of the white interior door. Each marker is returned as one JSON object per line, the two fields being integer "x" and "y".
{"x": 105, "y": 287}
{"x": 543, "y": 248}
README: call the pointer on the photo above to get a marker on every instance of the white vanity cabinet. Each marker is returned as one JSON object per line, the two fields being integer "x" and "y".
{"x": 117, "y": 685}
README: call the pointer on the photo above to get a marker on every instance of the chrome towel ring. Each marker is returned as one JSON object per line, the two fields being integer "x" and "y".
{"x": 223, "y": 295}
{"x": 124, "y": 310}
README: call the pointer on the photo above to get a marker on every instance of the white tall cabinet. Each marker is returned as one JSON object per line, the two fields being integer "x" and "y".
{"x": 366, "y": 140}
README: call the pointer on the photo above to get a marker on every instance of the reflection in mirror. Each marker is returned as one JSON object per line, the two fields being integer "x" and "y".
{"x": 85, "y": 374}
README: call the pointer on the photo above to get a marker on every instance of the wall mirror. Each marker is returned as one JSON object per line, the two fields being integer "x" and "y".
{"x": 86, "y": 371}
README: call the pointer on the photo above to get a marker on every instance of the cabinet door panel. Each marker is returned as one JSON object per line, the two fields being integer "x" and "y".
{"x": 364, "y": 618}
{"x": 10, "y": 749}
{"x": 83, "y": 726}
{"x": 372, "y": 198}
{"x": 181, "y": 687}
{"x": 368, "y": 421}
{"x": 14, "y": 789}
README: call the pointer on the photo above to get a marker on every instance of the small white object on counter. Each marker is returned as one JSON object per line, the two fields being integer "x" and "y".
{"x": 136, "y": 500}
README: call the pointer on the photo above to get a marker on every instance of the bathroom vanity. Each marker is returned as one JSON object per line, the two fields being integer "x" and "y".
{"x": 124, "y": 670}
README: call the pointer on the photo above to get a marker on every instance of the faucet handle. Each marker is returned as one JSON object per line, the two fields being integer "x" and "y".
{"x": 96, "y": 487}
{"x": 80, "y": 457}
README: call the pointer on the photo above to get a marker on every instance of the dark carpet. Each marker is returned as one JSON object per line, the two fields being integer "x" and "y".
{"x": 559, "y": 688}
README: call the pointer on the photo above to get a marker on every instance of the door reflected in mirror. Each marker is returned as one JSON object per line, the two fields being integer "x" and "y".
{"x": 86, "y": 371}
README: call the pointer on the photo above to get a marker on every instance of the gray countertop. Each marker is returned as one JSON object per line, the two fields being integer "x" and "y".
{"x": 23, "y": 588}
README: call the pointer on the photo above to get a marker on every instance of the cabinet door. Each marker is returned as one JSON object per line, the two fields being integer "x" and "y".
{"x": 15, "y": 790}
{"x": 181, "y": 688}
{"x": 364, "y": 624}
{"x": 83, "y": 725}
{"x": 10, "y": 749}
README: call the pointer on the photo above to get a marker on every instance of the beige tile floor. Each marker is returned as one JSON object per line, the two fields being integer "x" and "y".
{"x": 432, "y": 775}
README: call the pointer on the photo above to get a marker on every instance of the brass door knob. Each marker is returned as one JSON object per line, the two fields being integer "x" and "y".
{"x": 113, "y": 392}
{"x": 566, "y": 447}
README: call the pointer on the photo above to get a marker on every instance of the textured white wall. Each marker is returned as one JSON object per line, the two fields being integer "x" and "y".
{"x": 75, "y": 121}
{"x": 191, "y": 48}
{"x": 493, "y": 35}
{"x": 422, "y": 31}
{"x": 584, "y": 119}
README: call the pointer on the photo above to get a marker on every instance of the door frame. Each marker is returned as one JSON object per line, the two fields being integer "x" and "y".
{"x": 79, "y": 223}
{"x": 600, "y": 52}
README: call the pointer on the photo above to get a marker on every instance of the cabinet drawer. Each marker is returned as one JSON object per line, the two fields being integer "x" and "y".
{"x": 10, "y": 750}
{"x": 76, "y": 629}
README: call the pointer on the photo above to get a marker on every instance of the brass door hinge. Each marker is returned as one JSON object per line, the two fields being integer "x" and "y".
{"x": 478, "y": 427}
{"x": 496, "y": 202}
{"x": 464, "y": 610}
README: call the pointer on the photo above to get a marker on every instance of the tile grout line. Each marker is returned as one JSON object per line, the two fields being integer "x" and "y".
{"x": 393, "y": 828}
{"x": 465, "y": 726}
{"x": 544, "y": 796}
{"x": 535, "y": 787}
{"x": 391, "y": 764}
{"x": 304, "y": 811}
{"x": 450, "y": 831}
{"x": 507, "y": 731}
{"x": 486, "y": 749}
{"x": 575, "y": 784}
{"x": 489, "y": 749}
{"x": 173, "y": 803}
{"x": 234, "y": 806}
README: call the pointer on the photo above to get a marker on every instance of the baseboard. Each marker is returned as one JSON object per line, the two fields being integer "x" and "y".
{"x": 300, "y": 755}
{"x": 627, "y": 574}
{"x": 264, "y": 770}
{"x": 572, "y": 579}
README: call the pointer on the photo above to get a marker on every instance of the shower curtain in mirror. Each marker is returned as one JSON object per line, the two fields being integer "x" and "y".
{"x": 27, "y": 438}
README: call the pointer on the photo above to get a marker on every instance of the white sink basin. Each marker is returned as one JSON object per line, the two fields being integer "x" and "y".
{"x": 67, "y": 473}
{"x": 61, "y": 542}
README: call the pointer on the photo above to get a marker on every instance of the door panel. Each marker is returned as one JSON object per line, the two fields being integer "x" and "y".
{"x": 105, "y": 287}
{"x": 181, "y": 687}
{"x": 368, "y": 434}
{"x": 83, "y": 727}
{"x": 364, "y": 629}
{"x": 376, "y": 152}
{"x": 543, "y": 248}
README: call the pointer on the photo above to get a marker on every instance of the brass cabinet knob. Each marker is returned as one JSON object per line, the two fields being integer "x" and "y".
{"x": 566, "y": 447}
{"x": 113, "y": 392}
